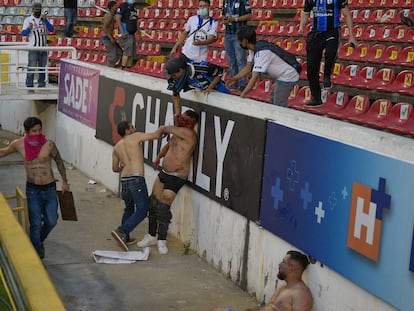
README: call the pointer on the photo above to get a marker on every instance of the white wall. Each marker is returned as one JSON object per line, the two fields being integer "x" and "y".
{"x": 215, "y": 232}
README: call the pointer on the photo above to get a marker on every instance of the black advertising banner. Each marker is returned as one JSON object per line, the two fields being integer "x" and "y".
{"x": 227, "y": 165}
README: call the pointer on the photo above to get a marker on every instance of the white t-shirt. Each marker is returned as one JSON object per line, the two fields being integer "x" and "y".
{"x": 265, "y": 61}
{"x": 198, "y": 53}
{"x": 38, "y": 34}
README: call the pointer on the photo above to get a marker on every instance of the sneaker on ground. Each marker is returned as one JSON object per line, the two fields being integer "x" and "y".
{"x": 120, "y": 237}
{"x": 129, "y": 240}
{"x": 313, "y": 103}
{"x": 148, "y": 240}
{"x": 162, "y": 247}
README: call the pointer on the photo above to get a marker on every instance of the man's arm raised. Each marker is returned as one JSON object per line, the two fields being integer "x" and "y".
{"x": 11, "y": 148}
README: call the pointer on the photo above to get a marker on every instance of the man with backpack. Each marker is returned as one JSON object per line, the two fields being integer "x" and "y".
{"x": 127, "y": 20}
{"x": 199, "y": 31}
{"x": 266, "y": 57}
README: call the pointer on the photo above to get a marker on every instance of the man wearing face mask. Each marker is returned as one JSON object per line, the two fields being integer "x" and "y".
{"x": 38, "y": 152}
{"x": 127, "y": 21}
{"x": 199, "y": 31}
{"x": 262, "y": 59}
{"x": 36, "y": 27}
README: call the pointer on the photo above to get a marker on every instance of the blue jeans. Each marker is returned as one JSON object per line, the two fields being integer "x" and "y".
{"x": 71, "y": 15}
{"x": 36, "y": 59}
{"x": 43, "y": 211}
{"x": 236, "y": 58}
{"x": 135, "y": 195}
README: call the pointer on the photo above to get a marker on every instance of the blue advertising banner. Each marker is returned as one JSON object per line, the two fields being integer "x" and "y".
{"x": 351, "y": 209}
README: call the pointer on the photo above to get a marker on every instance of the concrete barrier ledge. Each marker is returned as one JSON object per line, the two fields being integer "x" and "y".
{"x": 31, "y": 275}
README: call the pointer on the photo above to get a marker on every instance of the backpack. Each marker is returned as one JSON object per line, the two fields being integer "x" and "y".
{"x": 287, "y": 57}
{"x": 129, "y": 17}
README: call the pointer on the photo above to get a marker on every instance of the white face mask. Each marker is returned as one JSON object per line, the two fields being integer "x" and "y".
{"x": 203, "y": 12}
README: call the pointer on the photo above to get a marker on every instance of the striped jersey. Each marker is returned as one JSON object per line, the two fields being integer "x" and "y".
{"x": 38, "y": 34}
{"x": 326, "y": 13}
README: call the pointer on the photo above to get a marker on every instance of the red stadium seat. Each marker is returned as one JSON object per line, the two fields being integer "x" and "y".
{"x": 349, "y": 73}
{"x": 299, "y": 47}
{"x": 382, "y": 79}
{"x": 399, "y": 120}
{"x": 337, "y": 71}
{"x": 262, "y": 15}
{"x": 406, "y": 57}
{"x": 390, "y": 54}
{"x": 403, "y": 83}
{"x": 370, "y": 33}
{"x": 345, "y": 51}
{"x": 302, "y": 97}
{"x": 334, "y": 103}
{"x": 376, "y": 113}
{"x": 287, "y": 45}
{"x": 364, "y": 78}
{"x": 375, "y": 53}
{"x": 360, "y": 52}
{"x": 261, "y": 91}
{"x": 400, "y": 33}
{"x": 358, "y": 105}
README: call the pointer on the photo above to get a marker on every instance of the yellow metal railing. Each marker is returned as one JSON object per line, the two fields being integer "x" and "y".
{"x": 28, "y": 270}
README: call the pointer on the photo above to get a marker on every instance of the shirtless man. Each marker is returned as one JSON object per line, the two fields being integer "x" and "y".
{"x": 127, "y": 158}
{"x": 38, "y": 152}
{"x": 176, "y": 165}
{"x": 295, "y": 295}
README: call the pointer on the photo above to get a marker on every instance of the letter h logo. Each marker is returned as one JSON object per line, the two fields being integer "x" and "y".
{"x": 365, "y": 221}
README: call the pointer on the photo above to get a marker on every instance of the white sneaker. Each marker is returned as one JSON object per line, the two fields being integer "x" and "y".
{"x": 162, "y": 247}
{"x": 148, "y": 240}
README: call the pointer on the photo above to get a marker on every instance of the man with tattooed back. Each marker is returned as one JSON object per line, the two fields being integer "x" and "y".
{"x": 38, "y": 152}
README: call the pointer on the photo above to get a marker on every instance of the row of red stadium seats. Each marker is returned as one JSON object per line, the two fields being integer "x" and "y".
{"x": 398, "y": 118}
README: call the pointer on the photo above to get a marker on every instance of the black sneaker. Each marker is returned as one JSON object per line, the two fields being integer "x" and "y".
{"x": 313, "y": 104}
{"x": 327, "y": 83}
{"x": 42, "y": 251}
{"x": 120, "y": 238}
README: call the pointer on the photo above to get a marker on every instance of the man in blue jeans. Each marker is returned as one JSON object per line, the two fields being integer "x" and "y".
{"x": 71, "y": 16}
{"x": 38, "y": 152}
{"x": 36, "y": 27}
{"x": 127, "y": 158}
{"x": 236, "y": 13}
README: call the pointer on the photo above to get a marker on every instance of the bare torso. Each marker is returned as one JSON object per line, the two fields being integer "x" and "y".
{"x": 129, "y": 152}
{"x": 38, "y": 171}
{"x": 289, "y": 298}
{"x": 178, "y": 157}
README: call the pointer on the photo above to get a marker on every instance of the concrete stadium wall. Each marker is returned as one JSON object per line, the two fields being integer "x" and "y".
{"x": 239, "y": 248}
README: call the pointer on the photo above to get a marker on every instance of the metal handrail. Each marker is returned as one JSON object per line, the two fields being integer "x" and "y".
{"x": 21, "y": 65}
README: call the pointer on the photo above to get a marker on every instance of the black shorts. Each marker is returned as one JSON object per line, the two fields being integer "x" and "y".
{"x": 172, "y": 182}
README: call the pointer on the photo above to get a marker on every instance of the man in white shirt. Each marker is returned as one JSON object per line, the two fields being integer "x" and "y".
{"x": 36, "y": 27}
{"x": 262, "y": 61}
{"x": 200, "y": 30}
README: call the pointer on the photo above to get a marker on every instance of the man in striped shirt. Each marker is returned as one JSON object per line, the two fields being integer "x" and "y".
{"x": 36, "y": 27}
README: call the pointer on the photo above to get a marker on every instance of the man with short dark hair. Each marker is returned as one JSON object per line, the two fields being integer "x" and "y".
{"x": 177, "y": 156}
{"x": 112, "y": 47}
{"x": 36, "y": 27}
{"x": 262, "y": 60}
{"x": 127, "y": 20}
{"x": 127, "y": 158}
{"x": 295, "y": 295}
{"x": 38, "y": 152}
{"x": 185, "y": 76}
{"x": 199, "y": 31}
